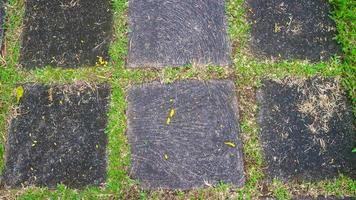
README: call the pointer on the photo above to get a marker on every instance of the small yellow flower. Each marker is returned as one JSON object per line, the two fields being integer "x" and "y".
{"x": 101, "y": 61}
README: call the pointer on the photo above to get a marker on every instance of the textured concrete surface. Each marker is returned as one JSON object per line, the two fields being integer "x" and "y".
{"x": 307, "y": 130}
{"x": 177, "y": 32}
{"x": 292, "y": 29}
{"x": 184, "y": 135}
{"x": 65, "y": 33}
{"x": 57, "y": 136}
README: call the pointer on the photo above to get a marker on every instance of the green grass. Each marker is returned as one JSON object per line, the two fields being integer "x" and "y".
{"x": 247, "y": 73}
{"x": 345, "y": 18}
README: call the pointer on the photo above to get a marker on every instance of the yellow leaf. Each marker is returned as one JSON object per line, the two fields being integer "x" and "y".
{"x": 171, "y": 114}
{"x": 19, "y": 93}
{"x": 165, "y": 156}
{"x": 230, "y": 144}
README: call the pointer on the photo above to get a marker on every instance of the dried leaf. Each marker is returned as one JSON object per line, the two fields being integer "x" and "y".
{"x": 50, "y": 94}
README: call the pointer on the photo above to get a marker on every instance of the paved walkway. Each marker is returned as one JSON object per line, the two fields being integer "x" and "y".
{"x": 184, "y": 134}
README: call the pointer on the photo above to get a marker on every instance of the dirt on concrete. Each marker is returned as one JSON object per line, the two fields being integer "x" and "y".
{"x": 65, "y": 33}
{"x": 57, "y": 135}
{"x": 292, "y": 29}
{"x": 307, "y": 129}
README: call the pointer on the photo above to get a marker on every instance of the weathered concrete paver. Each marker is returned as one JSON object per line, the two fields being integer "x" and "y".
{"x": 184, "y": 135}
{"x": 66, "y": 33}
{"x": 57, "y": 136}
{"x": 307, "y": 130}
{"x": 177, "y": 32}
{"x": 292, "y": 29}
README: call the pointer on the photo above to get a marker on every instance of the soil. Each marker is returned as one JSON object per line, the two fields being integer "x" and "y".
{"x": 291, "y": 29}
{"x": 57, "y": 136}
{"x": 65, "y": 33}
{"x": 177, "y": 33}
{"x": 198, "y": 146}
{"x": 307, "y": 130}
